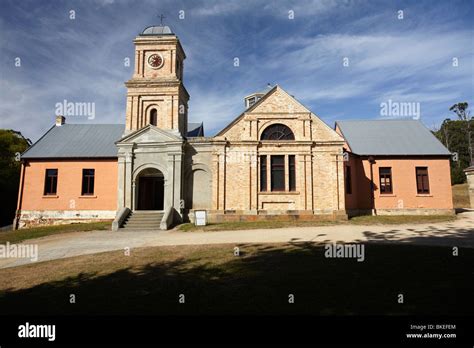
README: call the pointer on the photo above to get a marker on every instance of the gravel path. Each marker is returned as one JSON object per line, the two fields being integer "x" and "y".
{"x": 456, "y": 233}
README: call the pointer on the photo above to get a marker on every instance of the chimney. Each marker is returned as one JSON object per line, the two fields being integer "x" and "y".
{"x": 60, "y": 120}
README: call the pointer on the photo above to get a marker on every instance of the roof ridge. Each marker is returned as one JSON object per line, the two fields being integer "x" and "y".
{"x": 379, "y": 120}
{"x": 93, "y": 124}
{"x": 37, "y": 141}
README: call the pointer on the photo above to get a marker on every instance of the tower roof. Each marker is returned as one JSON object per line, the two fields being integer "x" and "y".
{"x": 157, "y": 30}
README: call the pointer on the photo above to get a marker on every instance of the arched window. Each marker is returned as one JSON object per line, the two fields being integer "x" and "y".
{"x": 277, "y": 132}
{"x": 153, "y": 117}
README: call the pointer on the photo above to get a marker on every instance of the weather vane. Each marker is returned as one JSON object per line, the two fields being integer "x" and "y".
{"x": 161, "y": 17}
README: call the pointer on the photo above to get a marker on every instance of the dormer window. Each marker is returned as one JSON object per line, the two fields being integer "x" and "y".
{"x": 251, "y": 100}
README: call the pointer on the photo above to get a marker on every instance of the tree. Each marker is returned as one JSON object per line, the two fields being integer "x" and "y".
{"x": 452, "y": 134}
{"x": 460, "y": 109}
{"x": 12, "y": 144}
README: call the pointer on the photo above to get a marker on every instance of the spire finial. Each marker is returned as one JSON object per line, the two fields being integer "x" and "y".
{"x": 161, "y": 17}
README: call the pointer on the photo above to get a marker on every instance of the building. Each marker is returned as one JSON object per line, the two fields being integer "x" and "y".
{"x": 276, "y": 160}
{"x": 470, "y": 184}
{"x": 395, "y": 167}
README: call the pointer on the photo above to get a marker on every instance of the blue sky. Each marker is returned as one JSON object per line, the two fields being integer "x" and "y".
{"x": 82, "y": 60}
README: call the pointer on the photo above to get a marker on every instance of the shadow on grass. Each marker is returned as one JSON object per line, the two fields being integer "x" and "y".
{"x": 448, "y": 235}
{"x": 260, "y": 281}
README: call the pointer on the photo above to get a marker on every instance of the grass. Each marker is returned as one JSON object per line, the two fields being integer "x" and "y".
{"x": 259, "y": 281}
{"x": 461, "y": 196}
{"x": 400, "y": 219}
{"x": 358, "y": 220}
{"x": 249, "y": 225}
{"x": 36, "y": 232}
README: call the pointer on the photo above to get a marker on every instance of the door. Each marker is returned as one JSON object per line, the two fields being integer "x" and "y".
{"x": 150, "y": 193}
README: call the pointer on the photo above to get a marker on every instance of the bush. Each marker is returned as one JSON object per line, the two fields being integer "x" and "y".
{"x": 457, "y": 176}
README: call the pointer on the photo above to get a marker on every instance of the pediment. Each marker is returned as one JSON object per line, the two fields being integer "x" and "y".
{"x": 278, "y": 106}
{"x": 151, "y": 134}
{"x": 278, "y": 101}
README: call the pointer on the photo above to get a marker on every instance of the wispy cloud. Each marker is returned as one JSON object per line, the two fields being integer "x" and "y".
{"x": 83, "y": 59}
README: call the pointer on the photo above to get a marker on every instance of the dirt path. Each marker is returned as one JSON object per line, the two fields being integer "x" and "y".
{"x": 455, "y": 233}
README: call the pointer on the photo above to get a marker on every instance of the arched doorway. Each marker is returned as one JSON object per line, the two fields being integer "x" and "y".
{"x": 151, "y": 190}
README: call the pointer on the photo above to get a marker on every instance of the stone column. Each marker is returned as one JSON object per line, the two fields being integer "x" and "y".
{"x": 128, "y": 179}
{"x": 215, "y": 181}
{"x": 470, "y": 183}
{"x": 134, "y": 195}
{"x": 121, "y": 183}
{"x": 174, "y": 185}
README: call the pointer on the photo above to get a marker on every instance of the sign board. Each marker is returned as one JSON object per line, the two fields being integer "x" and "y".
{"x": 200, "y": 218}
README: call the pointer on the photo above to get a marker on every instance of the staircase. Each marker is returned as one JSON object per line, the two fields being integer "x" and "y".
{"x": 143, "y": 220}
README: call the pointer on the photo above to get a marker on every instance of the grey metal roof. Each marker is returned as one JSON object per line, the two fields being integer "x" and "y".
{"x": 157, "y": 30}
{"x": 77, "y": 141}
{"x": 390, "y": 137}
{"x": 195, "y": 129}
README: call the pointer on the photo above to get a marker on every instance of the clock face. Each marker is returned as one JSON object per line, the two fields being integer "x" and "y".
{"x": 155, "y": 61}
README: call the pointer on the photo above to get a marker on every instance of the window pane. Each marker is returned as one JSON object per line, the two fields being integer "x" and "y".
{"x": 263, "y": 173}
{"x": 422, "y": 180}
{"x": 54, "y": 184}
{"x": 51, "y": 181}
{"x": 419, "y": 185}
{"x": 277, "y": 132}
{"x": 385, "y": 174}
{"x": 278, "y": 173}
{"x": 291, "y": 174}
{"x": 91, "y": 185}
{"x": 88, "y": 181}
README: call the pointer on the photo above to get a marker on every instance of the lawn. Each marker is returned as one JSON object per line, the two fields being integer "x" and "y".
{"x": 461, "y": 196}
{"x": 357, "y": 220}
{"x": 36, "y": 232}
{"x": 259, "y": 281}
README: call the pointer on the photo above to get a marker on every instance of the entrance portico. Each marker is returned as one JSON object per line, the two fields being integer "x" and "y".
{"x": 149, "y": 170}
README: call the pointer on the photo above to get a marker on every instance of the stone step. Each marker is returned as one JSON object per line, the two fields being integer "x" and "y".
{"x": 146, "y": 216}
{"x": 156, "y": 219}
{"x": 142, "y": 228}
{"x": 146, "y": 227}
{"x": 143, "y": 220}
{"x": 135, "y": 225}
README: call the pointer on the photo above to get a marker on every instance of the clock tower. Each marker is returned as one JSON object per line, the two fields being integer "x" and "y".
{"x": 156, "y": 94}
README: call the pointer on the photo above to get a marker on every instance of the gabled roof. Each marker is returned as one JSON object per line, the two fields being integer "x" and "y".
{"x": 390, "y": 137}
{"x": 77, "y": 141}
